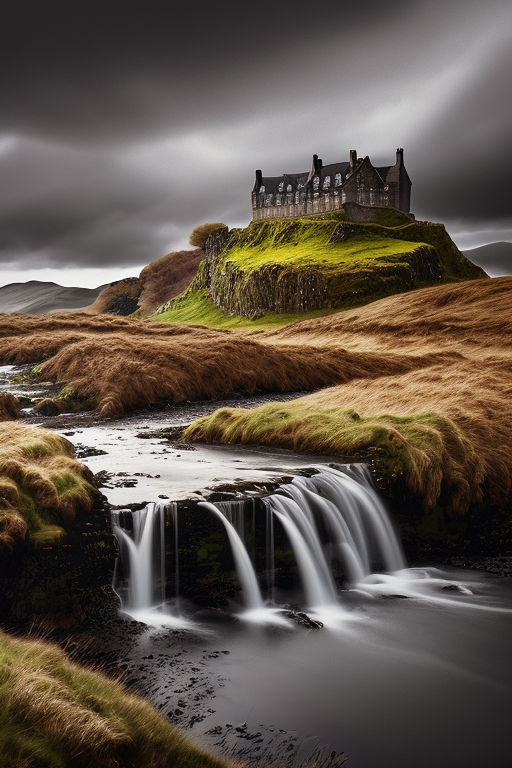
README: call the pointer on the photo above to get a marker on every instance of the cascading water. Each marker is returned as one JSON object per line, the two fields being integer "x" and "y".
{"x": 144, "y": 557}
{"x": 334, "y": 521}
{"x": 244, "y": 567}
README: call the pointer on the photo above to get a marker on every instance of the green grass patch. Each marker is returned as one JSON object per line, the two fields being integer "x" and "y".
{"x": 196, "y": 308}
{"x": 429, "y": 450}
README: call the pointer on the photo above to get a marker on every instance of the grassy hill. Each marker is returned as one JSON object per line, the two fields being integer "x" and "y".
{"x": 273, "y": 271}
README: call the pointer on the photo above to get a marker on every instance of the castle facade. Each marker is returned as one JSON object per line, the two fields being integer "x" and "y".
{"x": 329, "y": 187}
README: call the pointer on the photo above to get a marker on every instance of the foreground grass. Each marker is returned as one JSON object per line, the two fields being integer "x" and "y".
{"x": 42, "y": 486}
{"x": 55, "y": 714}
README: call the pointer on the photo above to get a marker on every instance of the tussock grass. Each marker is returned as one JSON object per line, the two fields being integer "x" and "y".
{"x": 9, "y": 406}
{"x": 55, "y": 714}
{"x": 123, "y": 373}
{"x": 200, "y": 234}
{"x": 42, "y": 486}
{"x": 115, "y": 296}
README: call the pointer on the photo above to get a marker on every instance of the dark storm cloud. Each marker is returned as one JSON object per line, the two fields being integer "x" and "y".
{"x": 124, "y": 125}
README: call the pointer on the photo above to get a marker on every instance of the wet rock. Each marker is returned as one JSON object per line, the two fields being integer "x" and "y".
{"x": 85, "y": 451}
{"x": 48, "y": 407}
{"x": 301, "y": 618}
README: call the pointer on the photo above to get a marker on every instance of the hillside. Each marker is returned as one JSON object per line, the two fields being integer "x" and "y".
{"x": 444, "y": 426}
{"x": 495, "y": 258}
{"x": 317, "y": 264}
{"x": 37, "y": 298}
{"x": 421, "y": 380}
{"x": 158, "y": 281}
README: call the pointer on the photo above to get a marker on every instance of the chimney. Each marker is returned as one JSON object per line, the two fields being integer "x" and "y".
{"x": 399, "y": 156}
{"x": 353, "y": 158}
{"x": 317, "y": 164}
{"x": 259, "y": 179}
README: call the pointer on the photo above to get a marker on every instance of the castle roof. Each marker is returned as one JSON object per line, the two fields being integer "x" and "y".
{"x": 271, "y": 183}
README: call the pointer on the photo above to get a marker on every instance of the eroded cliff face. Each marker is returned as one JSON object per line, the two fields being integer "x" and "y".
{"x": 324, "y": 262}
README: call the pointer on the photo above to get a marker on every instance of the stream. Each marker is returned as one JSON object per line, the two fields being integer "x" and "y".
{"x": 405, "y": 666}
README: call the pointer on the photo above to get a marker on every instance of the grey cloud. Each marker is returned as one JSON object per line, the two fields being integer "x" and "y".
{"x": 126, "y": 128}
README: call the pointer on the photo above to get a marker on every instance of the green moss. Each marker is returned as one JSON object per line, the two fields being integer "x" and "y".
{"x": 308, "y": 245}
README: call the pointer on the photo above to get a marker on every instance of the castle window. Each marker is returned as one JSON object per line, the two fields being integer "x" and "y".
{"x": 337, "y": 180}
{"x": 327, "y": 182}
{"x": 281, "y": 186}
{"x": 316, "y": 182}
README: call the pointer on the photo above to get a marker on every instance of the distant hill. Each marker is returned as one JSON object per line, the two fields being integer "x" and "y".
{"x": 37, "y": 298}
{"x": 495, "y": 258}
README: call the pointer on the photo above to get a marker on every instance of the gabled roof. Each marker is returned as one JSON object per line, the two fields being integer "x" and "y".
{"x": 383, "y": 171}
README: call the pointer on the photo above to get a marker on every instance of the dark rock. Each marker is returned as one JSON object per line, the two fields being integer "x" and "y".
{"x": 301, "y": 618}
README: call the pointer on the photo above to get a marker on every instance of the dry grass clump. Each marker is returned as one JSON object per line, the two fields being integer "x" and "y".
{"x": 122, "y": 373}
{"x": 167, "y": 277}
{"x": 9, "y": 407}
{"x": 41, "y": 485}
{"x": 55, "y": 714}
{"x": 116, "y": 295}
{"x": 200, "y": 234}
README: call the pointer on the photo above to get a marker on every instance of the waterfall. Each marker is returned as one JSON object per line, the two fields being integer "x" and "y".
{"x": 244, "y": 567}
{"x": 332, "y": 521}
{"x": 145, "y": 570}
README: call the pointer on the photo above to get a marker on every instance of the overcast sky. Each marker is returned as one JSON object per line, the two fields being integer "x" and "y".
{"x": 123, "y": 125}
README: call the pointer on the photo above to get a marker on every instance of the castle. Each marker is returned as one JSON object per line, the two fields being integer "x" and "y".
{"x": 329, "y": 187}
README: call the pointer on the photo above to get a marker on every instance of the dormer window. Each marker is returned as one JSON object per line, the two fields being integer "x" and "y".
{"x": 337, "y": 180}
{"x": 281, "y": 186}
{"x": 289, "y": 188}
{"x": 316, "y": 182}
{"x": 327, "y": 182}
{"x": 262, "y": 189}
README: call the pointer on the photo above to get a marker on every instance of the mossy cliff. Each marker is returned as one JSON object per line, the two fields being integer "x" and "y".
{"x": 323, "y": 262}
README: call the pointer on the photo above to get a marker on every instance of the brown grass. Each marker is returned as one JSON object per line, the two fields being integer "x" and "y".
{"x": 146, "y": 363}
{"x": 200, "y": 234}
{"x": 55, "y": 713}
{"x": 42, "y": 486}
{"x": 130, "y": 287}
{"x": 9, "y": 407}
{"x": 166, "y": 278}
